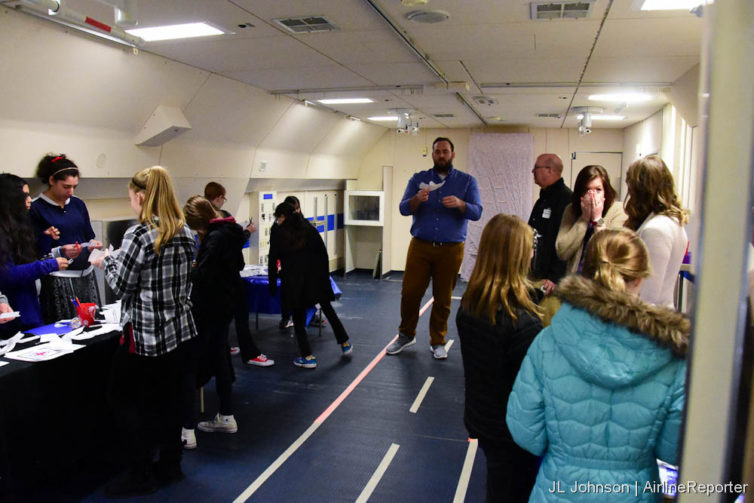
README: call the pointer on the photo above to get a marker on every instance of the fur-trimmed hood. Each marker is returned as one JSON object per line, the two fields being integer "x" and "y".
{"x": 614, "y": 338}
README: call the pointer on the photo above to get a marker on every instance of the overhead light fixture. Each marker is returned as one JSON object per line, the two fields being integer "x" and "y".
{"x": 632, "y": 97}
{"x": 604, "y": 117}
{"x": 672, "y": 4}
{"x": 383, "y": 118}
{"x": 345, "y": 101}
{"x": 175, "y": 31}
{"x": 413, "y": 3}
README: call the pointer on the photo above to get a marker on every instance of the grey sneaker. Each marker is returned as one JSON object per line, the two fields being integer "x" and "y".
{"x": 438, "y": 351}
{"x": 401, "y": 343}
{"x": 221, "y": 423}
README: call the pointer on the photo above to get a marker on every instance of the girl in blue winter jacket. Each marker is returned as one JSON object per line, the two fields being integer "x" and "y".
{"x": 600, "y": 393}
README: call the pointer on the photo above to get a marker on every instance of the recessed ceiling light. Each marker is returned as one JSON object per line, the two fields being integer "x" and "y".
{"x": 345, "y": 101}
{"x": 604, "y": 117}
{"x": 383, "y": 118}
{"x": 672, "y": 4}
{"x": 175, "y": 31}
{"x": 621, "y": 97}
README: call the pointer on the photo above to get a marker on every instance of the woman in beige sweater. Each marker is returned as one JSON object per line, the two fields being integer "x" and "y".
{"x": 593, "y": 208}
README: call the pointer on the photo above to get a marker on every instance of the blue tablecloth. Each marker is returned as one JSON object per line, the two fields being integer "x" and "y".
{"x": 259, "y": 299}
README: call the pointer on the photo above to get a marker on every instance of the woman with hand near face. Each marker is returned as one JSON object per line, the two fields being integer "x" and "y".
{"x": 63, "y": 229}
{"x": 592, "y": 209}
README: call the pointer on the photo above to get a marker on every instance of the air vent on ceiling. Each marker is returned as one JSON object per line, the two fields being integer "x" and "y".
{"x": 550, "y": 116}
{"x": 444, "y": 116}
{"x": 306, "y": 24}
{"x": 565, "y": 9}
{"x": 484, "y": 100}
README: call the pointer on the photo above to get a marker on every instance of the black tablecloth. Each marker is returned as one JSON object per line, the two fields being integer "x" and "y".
{"x": 54, "y": 420}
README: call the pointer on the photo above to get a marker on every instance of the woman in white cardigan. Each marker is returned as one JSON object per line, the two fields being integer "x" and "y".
{"x": 592, "y": 209}
{"x": 655, "y": 213}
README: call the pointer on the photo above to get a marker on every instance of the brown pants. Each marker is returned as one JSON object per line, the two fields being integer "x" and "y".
{"x": 441, "y": 264}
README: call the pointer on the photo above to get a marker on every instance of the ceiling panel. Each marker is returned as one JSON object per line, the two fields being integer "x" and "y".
{"x": 483, "y": 42}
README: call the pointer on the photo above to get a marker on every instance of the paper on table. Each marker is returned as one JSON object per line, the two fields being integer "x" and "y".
{"x": 44, "y": 352}
{"x": 4, "y": 363}
{"x": 431, "y": 186}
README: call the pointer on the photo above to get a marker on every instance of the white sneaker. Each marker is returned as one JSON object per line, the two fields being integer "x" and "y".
{"x": 438, "y": 351}
{"x": 221, "y": 423}
{"x": 188, "y": 438}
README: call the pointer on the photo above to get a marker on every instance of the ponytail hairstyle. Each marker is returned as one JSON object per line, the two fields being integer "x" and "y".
{"x": 160, "y": 208}
{"x": 499, "y": 278}
{"x": 198, "y": 211}
{"x": 17, "y": 237}
{"x": 615, "y": 257}
{"x": 651, "y": 190}
{"x": 57, "y": 166}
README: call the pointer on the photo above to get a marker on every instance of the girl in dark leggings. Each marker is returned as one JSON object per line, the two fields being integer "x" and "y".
{"x": 305, "y": 272}
{"x": 216, "y": 285}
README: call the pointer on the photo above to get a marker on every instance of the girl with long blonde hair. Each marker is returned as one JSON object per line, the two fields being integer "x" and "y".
{"x": 496, "y": 324}
{"x": 600, "y": 393}
{"x": 151, "y": 274}
{"x": 655, "y": 213}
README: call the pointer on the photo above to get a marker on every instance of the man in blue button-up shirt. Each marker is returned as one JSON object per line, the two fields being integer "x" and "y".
{"x": 441, "y": 200}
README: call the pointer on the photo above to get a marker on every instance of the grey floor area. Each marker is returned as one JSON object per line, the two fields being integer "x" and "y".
{"x": 294, "y": 455}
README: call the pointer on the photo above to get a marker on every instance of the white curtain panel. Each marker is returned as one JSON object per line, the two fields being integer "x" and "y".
{"x": 501, "y": 164}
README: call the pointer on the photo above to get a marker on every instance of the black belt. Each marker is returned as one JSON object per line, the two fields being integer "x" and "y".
{"x": 437, "y": 243}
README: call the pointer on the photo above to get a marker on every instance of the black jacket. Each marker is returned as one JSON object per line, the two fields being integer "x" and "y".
{"x": 305, "y": 270}
{"x": 545, "y": 218}
{"x": 492, "y": 355}
{"x": 215, "y": 278}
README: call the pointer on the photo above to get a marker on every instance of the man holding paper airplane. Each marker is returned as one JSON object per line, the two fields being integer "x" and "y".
{"x": 441, "y": 200}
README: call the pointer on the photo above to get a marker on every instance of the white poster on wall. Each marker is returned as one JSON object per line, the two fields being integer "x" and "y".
{"x": 501, "y": 164}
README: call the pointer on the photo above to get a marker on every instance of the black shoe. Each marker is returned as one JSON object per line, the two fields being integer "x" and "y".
{"x": 167, "y": 473}
{"x": 126, "y": 485}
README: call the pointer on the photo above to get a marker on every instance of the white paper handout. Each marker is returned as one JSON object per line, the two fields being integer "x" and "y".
{"x": 13, "y": 314}
{"x": 44, "y": 352}
{"x": 431, "y": 185}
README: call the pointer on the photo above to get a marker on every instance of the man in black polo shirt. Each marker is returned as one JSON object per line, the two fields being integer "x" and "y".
{"x": 545, "y": 218}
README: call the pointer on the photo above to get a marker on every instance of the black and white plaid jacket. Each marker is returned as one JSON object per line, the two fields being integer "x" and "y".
{"x": 154, "y": 289}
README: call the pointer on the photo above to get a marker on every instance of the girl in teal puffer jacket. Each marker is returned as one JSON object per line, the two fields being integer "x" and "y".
{"x": 600, "y": 393}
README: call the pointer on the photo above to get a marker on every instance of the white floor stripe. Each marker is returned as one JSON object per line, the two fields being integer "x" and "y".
{"x": 276, "y": 464}
{"x": 468, "y": 464}
{"x": 421, "y": 395}
{"x": 455, "y": 298}
{"x": 377, "y": 475}
{"x": 449, "y": 345}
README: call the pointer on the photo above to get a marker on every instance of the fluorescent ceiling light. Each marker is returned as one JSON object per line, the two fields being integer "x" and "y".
{"x": 671, "y": 4}
{"x": 175, "y": 31}
{"x": 621, "y": 97}
{"x": 604, "y": 117}
{"x": 383, "y": 118}
{"x": 345, "y": 101}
